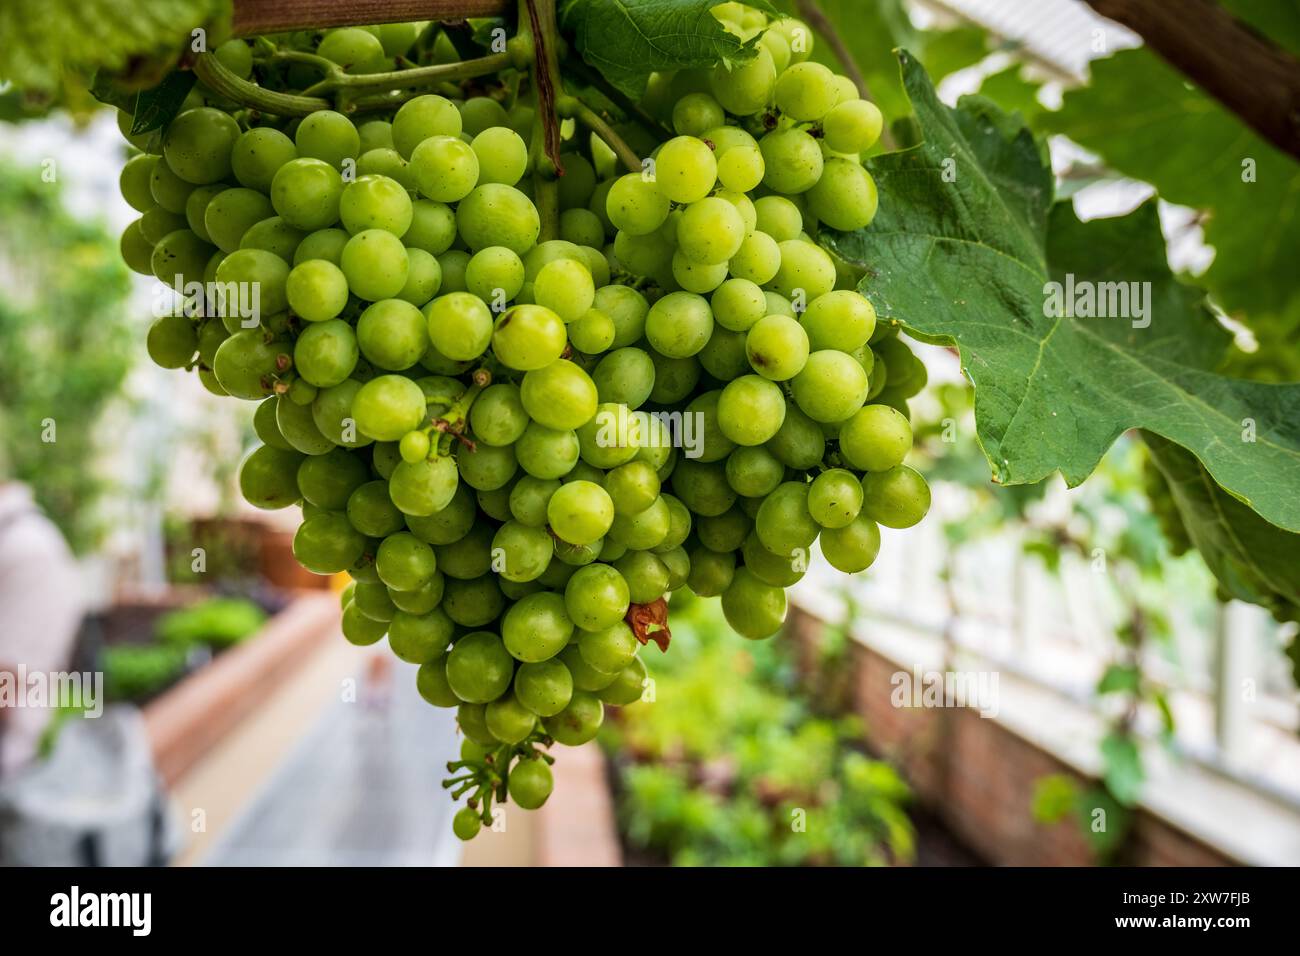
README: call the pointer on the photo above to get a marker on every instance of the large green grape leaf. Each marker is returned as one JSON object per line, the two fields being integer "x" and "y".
{"x": 1135, "y": 106}
{"x": 960, "y": 253}
{"x": 1253, "y": 560}
{"x": 627, "y": 40}
{"x": 43, "y": 38}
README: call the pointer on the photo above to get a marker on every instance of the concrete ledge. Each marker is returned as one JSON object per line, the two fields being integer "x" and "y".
{"x": 187, "y": 721}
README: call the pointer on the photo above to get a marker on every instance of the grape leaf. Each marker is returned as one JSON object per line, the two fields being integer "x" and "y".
{"x": 627, "y": 40}
{"x": 155, "y": 108}
{"x": 42, "y": 38}
{"x": 1253, "y": 560}
{"x": 1134, "y": 107}
{"x": 959, "y": 253}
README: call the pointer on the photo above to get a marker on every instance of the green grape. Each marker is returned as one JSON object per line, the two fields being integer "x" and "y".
{"x": 778, "y": 46}
{"x": 421, "y": 488}
{"x": 528, "y": 337}
{"x": 628, "y": 308}
{"x": 422, "y": 118}
{"x": 327, "y": 544}
{"x": 593, "y": 333}
{"x": 797, "y": 34}
{"x": 433, "y": 227}
{"x": 646, "y": 576}
{"x": 134, "y": 182}
{"x": 792, "y": 161}
{"x": 703, "y": 487}
{"x": 273, "y": 235}
{"x": 324, "y": 244}
{"x": 842, "y": 320}
{"x": 172, "y": 341}
{"x": 258, "y": 155}
{"x": 897, "y": 498}
{"x": 632, "y": 487}
{"x": 584, "y": 676}
{"x": 479, "y": 669}
{"x": 743, "y": 205}
{"x": 384, "y": 459}
{"x": 445, "y": 168}
{"x": 169, "y": 190}
{"x": 180, "y": 258}
{"x": 695, "y": 277}
{"x": 685, "y": 170}
{"x": 784, "y": 524}
{"x": 389, "y": 406}
{"x": 298, "y": 426}
{"x": 702, "y": 438}
{"x": 359, "y": 629}
{"x": 473, "y": 603}
{"x": 678, "y": 325}
{"x": 806, "y": 267}
{"x": 648, "y": 255}
{"x": 248, "y": 363}
{"x": 305, "y": 193}
{"x": 625, "y": 376}
{"x": 328, "y": 481}
{"x": 466, "y": 824}
{"x": 328, "y": 136}
{"x": 459, "y": 325}
{"x": 431, "y": 682}
{"x": 746, "y": 88}
{"x": 375, "y": 134}
{"x": 751, "y": 410}
{"x": 470, "y": 718}
{"x": 778, "y": 217}
{"x": 404, "y": 562}
{"x": 724, "y": 356}
{"x": 375, "y": 264}
{"x": 757, "y": 260}
{"x": 198, "y": 143}
{"x": 578, "y": 181}
{"x": 852, "y": 126}
{"x": 636, "y": 206}
{"x": 695, "y": 113}
{"x": 487, "y": 467}
{"x": 326, "y": 353}
{"x": 387, "y": 163}
{"x": 495, "y": 274}
{"x": 331, "y": 416}
{"x": 560, "y": 395}
{"x": 423, "y": 277}
{"x": 578, "y": 722}
{"x": 754, "y": 472}
{"x": 136, "y": 250}
{"x": 835, "y": 499}
{"x": 449, "y": 523}
{"x": 354, "y": 49}
{"x": 845, "y": 197}
{"x": 423, "y": 599}
{"x": 831, "y": 387}
{"x": 479, "y": 113}
{"x": 521, "y": 553}
{"x": 711, "y": 572}
{"x": 741, "y": 167}
{"x": 268, "y": 477}
{"x": 610, "y": 649}
{"x": 806, "y": 92}
{"x": 876, "y": 438}
{"x": 158, "y": 223}
{"x": 375, "y": 202}
{"x": 392, "y": 334}
{"x": 536, "y": 627}
{"x": 372, "y": 512}
{"x": 710, "y": 231}
{"x": 644, "y": 529}
{"x": 628, "y": 685}
{"x": 372, "y": 600}
{"x": 580, "y": 512}
{"x": 777, "y": 347}
{"x": 508, "y": 720}
{"x": 529, "y": 498}
{"x": 582, "y": 227}
{"x": 530, "y": 783}
{"x": 420, "y": 638}
{"x": 498, "y": 215}
{"x": 547, "y": 452}
{"x": 497, "y": 416}
{"x": 596, "y": 597}
{"x": 268, "y": 432}
{"x": 754, "y": 609}
{"x": 502, "y": 155}
{"x": 566, "y": 288}
{"x": 853, "y": 547}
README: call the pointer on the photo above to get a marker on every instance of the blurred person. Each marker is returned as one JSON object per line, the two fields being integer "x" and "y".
{"x": 41, "y": 608}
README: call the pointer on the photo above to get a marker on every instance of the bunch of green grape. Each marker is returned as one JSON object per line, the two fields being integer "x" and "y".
{"x": 516, "y": 448}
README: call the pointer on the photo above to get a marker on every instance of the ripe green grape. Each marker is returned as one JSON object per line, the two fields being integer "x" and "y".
{"x": 305, "y": 193}
{"x": 531, "y": 782}
{"x": 508, "y": 720}
{"x": 502, "y": 155}
{"x": 580, "y": 512}
{"x": 876, "y": 438}
{"x": 754, "y": 472}
{"x": 547, "y": 452}
{"x": 805, "y": 268}
{"x": 710, "y": 231}
{"x": 806, "y": 92}
{"x": 198, "y": 143}
{"x": 897, "y": 498}
{"x": 420, "y": 638}
{"x": 495, "y": 214}
{"x": 328, "y": 481}
{"x": 751, "y": 410}
{"x": 328, "y": 136}
{"x": 392, "y": 334}
{"x": 258, "y": 155}
{"x": 792, "y": 160}
{"x": 529, "y": 337}
{"x": 324, "y": 244}
{"x": 479, "y": 668}
{"x": 746, "y": 88}
{"x": 777, "y": 347}
{"x": 372, "y": 512}
{"x": 578, "y": 722}
{"x": 536, "y": 627}
{"x": 172, "y": 341}
{"x": 431, "y": 682}
{"x": 560, "y": 395}
{"x": 375, "y": 202}
{"x": 445, "y": 168}
{"x": 420, "y": 119}
{"x": 835, "y": 498}
{"x": 842, "y": 320}
{"x": 784, "y": 523}
{"x": 852, "y": 126}
{"x": 326, "y": 353}
{"x": 628, "y": 685}
{"x": 685, "y": 170}
{"x": 268, "y": 477}
{"x": 375, "y": 264}
{"x": 756, "y": 610}
{"x": 389, "y": 406}
{"x": 566, "y": 288}
{"x": 853, "y": 547}
{"x": 845, "y": 197}
{"x": 354, "y": 49}
{"x": 327, "y": 544}
{"x": 404, "y": 562}
{"x": 679, "y": 325}
{"x": 495, "y": 274}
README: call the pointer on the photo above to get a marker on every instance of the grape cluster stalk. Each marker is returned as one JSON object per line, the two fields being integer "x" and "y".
{"x": 518, "y": 446}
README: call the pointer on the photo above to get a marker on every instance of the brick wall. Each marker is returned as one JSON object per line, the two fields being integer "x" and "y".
{"x": 978, "y": 777}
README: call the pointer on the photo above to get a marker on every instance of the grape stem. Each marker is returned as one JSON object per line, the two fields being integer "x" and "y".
{"x": 570, "y": 107}
{"x": 220, "y": 80}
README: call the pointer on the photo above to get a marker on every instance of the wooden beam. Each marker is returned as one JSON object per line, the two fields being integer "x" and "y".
{"x": 279, "y": 16}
